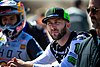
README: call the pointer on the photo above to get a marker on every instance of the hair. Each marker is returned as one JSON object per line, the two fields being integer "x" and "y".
{"x": 77, "y": 3}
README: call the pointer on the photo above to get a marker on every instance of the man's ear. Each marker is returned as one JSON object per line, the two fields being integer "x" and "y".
{"x": 68, "y": 24}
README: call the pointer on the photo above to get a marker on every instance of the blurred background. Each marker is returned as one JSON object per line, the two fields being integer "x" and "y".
{"x": 36, "y": 8}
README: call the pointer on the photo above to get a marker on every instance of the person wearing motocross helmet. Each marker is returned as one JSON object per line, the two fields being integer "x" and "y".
{"x": 19, "y": 44}
{"x": 65, "y": 42}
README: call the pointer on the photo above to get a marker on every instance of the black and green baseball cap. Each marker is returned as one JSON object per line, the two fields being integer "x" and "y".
{"x": 56, "y": 12}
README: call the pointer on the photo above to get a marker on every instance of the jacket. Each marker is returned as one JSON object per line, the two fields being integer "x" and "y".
{"x": 89, "y": 52}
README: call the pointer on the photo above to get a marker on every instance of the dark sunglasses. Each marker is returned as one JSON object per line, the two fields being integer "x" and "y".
{"x": 93, "y": 10}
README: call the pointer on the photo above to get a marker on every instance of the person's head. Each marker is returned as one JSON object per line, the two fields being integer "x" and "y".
{"x": 12, "y": 17}
{"x": 94, "y": 13}
{"x": 78, "y": 3}
{"x": 57, "y": 21}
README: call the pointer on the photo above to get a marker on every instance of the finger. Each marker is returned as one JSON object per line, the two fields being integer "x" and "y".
{"x": 15, "y": 59}
{"x": 13, "y": 65}
{"x": 8, "y": 64}
{"x": 12, "y": 61}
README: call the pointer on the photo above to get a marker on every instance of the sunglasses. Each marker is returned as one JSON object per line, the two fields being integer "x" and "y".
{"x": 93, "y": 10}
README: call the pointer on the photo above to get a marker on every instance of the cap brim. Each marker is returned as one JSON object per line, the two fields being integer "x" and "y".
{"x": 46, "y": 18}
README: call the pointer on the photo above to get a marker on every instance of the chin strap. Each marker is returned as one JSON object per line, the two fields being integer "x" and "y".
{"x": 9, "y": 32}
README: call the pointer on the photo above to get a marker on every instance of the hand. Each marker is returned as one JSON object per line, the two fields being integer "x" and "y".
{"x": 19, "y": 63}
{"x": 15, "y": 63}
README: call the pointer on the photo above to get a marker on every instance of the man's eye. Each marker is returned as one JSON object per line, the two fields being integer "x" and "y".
{"x": 49, "y": 23}
{"x": 11, "y": 18}
{"x": 58, "y": 22}
{"x": 4, "y": 19}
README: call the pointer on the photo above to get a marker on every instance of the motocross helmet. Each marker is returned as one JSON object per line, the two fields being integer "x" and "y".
{"x": 8, "y": 7}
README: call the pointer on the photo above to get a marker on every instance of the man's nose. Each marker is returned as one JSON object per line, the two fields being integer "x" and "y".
{"x": 54, "y": 25}
{"x": 91, "y": 14}
{"x": 7, "y": 22}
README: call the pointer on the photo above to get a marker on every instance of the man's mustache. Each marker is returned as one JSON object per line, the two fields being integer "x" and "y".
{"x": 93, "y": 18}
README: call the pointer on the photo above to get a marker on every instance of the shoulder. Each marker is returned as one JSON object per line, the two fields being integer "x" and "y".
{"x": 90, "y": 36}
{"x": 79, "y": 39}
{"x": 84, "y": 44}
{"x": 24, "y": 34}
{"x": 27, "y": 37}
{"x": 82, "y": 36}
{"x": 87, "y": 41}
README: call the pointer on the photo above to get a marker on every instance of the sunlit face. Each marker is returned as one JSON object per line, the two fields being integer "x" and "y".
{"x": 94, "y": 12}
{"x": 9, "y": 19}
{"x": 57, "y": 27}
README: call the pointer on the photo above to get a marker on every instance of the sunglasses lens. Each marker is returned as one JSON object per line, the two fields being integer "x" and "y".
{"x": 93, "y": 10}
{"x": 88, "y": 10}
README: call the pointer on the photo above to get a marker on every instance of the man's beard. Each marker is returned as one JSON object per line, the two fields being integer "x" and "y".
{"x": 96, "y": 26}
{"x": 96, "y": 23}
{"x": 61, "y": 34}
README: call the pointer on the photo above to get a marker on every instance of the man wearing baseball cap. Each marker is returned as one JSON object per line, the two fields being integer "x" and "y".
{"x": 64, "y": 44}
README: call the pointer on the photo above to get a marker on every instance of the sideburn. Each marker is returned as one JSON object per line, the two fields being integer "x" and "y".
{"x": 63, "y": 32}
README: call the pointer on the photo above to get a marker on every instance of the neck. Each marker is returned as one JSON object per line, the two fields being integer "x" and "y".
{"x": 64, "y": 39}
{"x": 98, "y": 32}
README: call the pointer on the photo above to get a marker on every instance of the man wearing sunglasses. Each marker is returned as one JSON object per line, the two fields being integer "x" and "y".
{"x": 89, "y": 51}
